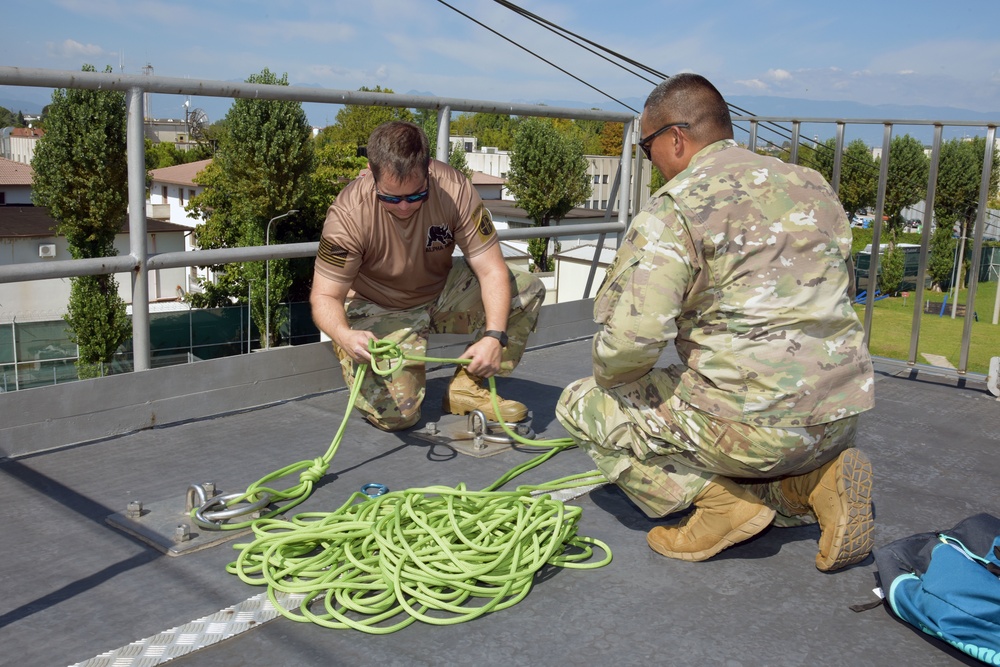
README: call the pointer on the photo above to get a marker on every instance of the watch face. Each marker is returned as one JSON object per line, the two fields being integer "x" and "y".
{"x": 499, "y": 335}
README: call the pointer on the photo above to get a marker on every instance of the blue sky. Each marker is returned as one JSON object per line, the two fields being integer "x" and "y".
{"x": 914, "y": 53}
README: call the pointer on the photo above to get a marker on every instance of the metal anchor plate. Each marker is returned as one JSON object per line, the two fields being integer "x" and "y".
{"x": 167, "y": 526}
{"x": 473, "y": 434}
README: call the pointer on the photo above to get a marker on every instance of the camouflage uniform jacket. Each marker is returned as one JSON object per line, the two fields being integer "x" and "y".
{"x": 743, "y": 261}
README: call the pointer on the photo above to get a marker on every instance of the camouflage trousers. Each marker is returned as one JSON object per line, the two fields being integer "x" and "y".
{"x": 393, "y": 402}
{"x": 662, "y": 452}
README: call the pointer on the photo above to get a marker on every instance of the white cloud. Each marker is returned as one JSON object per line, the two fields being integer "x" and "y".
{"x": 753, "y": 84}
{"x": 779, "y": 74}
{"x": 73, "y": 49}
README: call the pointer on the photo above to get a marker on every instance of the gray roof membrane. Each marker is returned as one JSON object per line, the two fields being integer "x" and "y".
{"x": 76, "y": 587}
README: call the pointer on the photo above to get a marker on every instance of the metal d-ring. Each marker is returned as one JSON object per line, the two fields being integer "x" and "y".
{"x": 479, "y": 425}
{"x": 374, "y": 490}
{"x": 207, "y": 517}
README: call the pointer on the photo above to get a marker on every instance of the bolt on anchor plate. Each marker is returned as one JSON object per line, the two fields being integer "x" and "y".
{"x": 167, "y": 525}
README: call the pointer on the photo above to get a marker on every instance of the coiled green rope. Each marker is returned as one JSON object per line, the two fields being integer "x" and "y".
{"x": 440, "y": 555}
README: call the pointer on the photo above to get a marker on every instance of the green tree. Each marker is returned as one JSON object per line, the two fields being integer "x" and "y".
{"x": 858, "y": 173}
{"x": 891, "y": 270}
{"x": 548, "y": 176}
{"x": 941, "y": 262}
{"x": 612, "y": 138}
{"x": 81, "y": 175}
{"x": 262, "y": 169}
{"x": 858, "y": 178}
{"x": 958, "y": 182}
{"x": 428, "y": 121}
{"x": 7, "y": 118}
{"x": 354, "y": 123}
{"x": 490, "y": 129}
{"x": 907, "y": 179}
{"x": 456, "y": 158}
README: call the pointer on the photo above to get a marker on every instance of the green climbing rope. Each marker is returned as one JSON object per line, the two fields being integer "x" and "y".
{"x": 437, "y": 554}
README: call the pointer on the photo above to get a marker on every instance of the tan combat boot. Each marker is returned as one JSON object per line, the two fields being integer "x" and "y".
{"x": 725, "y": 514}
{"x": 465, "y": 394}
{"x": 840, "y": 494}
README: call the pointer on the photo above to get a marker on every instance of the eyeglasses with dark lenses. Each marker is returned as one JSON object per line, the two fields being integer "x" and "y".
{"x": 410, "y": 199}
{"x": 647, "y": 143}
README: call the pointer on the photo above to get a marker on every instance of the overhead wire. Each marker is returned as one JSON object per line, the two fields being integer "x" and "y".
{"x": 526, "y": 49}
{"x": 586, "y": 44}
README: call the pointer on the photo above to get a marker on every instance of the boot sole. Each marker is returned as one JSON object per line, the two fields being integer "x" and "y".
{"x": 854, "y": 533}
{"x": 744, "y": 531}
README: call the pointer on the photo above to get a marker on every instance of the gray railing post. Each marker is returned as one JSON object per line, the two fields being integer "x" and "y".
{"x": 137, "y": 229}
{"x": 977, "y": 248}
{"x": 444, "y": 132}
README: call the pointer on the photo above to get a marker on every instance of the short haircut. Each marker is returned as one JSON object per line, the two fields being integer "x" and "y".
{"x": 399, "y": 150}
{"x": 691, "y": 98}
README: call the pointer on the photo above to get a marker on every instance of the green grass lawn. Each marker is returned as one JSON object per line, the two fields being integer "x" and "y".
{"x": 892, "y": 321}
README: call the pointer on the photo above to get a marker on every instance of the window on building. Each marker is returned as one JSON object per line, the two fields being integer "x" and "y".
{"x": 3, "y": 198}
{"x": 163, "y": 194}
{"x": 597, "y": 179}
{"x": 180, "y": 195}
{"x": 190, "y": 194}
{"x": 604, "y": 203}
{"x": 604, "y": 179}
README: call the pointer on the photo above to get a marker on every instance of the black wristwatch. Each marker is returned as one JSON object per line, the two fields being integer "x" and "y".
{"x": 499, "y": 335}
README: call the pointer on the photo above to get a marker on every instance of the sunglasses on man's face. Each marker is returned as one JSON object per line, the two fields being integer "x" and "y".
{"x": 409, "y": 199}
{"x": 647, "y": 144}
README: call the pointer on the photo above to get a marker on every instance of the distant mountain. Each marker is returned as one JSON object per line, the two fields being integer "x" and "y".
{"x": 31, "y": 101}
{"x": 16, "y": 104}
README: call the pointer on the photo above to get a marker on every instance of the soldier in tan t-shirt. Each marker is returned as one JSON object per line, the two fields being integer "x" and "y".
{"x": 385, "y": 270}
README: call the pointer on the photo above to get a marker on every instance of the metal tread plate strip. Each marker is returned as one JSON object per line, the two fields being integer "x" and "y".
{"x": 195, "y": 635}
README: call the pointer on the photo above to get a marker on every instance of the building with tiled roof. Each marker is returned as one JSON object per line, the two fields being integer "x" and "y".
{"x": 15, "y": 182}
{"x": 18, "y": 143}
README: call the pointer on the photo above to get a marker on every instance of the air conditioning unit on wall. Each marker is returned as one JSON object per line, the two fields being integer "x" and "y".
{"x": 46, "y": 249}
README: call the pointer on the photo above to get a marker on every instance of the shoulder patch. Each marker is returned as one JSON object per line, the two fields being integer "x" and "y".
{"x": 485, "y": 226}
{"x": 331, "y": 253}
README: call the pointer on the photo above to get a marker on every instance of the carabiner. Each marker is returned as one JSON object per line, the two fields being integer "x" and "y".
{"x": 374, "y": 490}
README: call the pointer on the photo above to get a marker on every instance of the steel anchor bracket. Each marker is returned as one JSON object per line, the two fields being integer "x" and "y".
{"x": 474, "y": 435}
{"x": 168, "y": 526}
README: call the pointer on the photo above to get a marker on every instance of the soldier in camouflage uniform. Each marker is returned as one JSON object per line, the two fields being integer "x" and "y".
{"x": 384, "y": 270}
{"x": 744, "y": 262}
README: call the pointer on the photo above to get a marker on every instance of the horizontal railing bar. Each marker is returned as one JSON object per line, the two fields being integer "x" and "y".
{"x": 168, "y": 260}
{"x": 44, "y": 78}
{"x": 866, "y": 121}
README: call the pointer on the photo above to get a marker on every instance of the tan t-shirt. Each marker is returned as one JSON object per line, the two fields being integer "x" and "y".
{"x": 402, "y": 263}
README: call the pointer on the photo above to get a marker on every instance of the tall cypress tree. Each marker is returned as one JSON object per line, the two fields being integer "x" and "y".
{"x": 81, "y": 175}
{"x": 262, "y": 169}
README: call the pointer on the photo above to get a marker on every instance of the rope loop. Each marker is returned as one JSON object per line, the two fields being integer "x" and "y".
{"x": 388, "y": 352}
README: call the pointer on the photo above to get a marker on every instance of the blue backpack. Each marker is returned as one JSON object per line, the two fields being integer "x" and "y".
{"x": 948, "y": 584}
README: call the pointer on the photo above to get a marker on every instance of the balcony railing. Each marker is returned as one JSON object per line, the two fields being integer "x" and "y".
{"x": 139, "y": 263}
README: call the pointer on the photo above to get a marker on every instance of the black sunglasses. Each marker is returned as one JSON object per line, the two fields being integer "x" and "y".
{"x": 647, "y": 143}
{"x": 410, "y": 199}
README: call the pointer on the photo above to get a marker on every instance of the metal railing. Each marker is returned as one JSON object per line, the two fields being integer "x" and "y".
{"x": 139, "y": 264}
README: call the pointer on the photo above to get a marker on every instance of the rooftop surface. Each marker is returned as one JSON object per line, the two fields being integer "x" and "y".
{"x": 75, "y": 587}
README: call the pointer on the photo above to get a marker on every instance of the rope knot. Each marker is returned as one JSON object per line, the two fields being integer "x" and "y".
{"x": 315, "y": 472}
